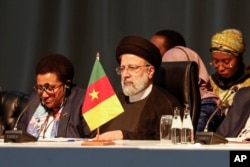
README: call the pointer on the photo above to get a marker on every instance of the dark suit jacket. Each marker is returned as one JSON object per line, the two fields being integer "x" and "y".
{"x": 238, "y": 114}
{"x": 71, "y": 122}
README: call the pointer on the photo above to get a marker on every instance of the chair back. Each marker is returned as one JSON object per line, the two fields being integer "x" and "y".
{"x": 181, "y": 79}
{"x": 11, "y": 105}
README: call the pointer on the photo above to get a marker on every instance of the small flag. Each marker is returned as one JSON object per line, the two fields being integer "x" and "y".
{"x": 101, "y": 103}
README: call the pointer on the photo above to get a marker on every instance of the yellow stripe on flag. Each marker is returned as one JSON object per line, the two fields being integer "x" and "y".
{"x": 102, "y": 112}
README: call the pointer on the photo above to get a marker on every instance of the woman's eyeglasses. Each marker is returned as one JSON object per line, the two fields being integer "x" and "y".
{"x": 224, "y": 63}
{"x": 47, "y": 88}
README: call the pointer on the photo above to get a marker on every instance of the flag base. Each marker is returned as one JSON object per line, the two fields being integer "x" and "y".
{"x": 98, "y": 143}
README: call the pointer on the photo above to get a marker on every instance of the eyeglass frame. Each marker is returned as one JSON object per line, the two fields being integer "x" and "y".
{"x": 47, "y": 88}
{"x": 131, "y": 68}
{"x": 224, "y": 63}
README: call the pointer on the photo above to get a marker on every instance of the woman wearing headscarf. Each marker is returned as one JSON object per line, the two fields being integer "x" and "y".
{"x": 227, "y": 48}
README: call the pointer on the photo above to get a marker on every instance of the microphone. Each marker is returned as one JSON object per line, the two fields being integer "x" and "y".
{"x": 20, "y": 136}
{"x": 206, "y": 137}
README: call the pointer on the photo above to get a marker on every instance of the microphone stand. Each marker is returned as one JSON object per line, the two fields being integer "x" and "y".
{"x": 206, "y": 137}
{"x": 210, "y": 118}
{"x": 19, "y": 136}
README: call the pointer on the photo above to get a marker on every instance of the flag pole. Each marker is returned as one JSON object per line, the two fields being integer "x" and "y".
{"x": 98, "y": 129}
{"x": 98, "y": 55}
{"x": 98, "y": 133}
{"x": 97, "y": 141}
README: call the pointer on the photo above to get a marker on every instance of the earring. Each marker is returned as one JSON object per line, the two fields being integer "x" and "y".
{"x": 66, "y": 86}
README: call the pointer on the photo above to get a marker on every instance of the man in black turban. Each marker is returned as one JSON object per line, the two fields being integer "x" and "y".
{"x": 143, "y": 102}
{"x": 140, "y": 47}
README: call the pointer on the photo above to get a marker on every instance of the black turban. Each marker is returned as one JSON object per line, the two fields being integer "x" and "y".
{"x": 141, "y": 47}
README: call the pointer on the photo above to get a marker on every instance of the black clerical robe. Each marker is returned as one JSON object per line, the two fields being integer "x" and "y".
{"x": 141, "y": 120}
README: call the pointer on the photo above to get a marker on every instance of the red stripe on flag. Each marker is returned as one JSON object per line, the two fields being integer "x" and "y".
{"x": 96, "y": 93}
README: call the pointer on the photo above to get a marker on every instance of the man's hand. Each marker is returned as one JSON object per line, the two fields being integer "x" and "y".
{"x": 110, "y": 135}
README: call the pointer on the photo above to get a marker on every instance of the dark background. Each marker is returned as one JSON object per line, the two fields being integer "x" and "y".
{"x": 30, "y": 29}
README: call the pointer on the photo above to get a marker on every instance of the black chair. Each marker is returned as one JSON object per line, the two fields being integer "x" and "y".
{"x": 11, "y": 105}
{"x": 181, "y": 79}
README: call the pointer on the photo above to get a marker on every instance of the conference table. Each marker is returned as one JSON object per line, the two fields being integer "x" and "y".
{"x": 65, "y": 152}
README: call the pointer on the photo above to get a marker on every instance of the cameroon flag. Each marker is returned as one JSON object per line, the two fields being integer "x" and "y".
{"x": 101, "y": 103}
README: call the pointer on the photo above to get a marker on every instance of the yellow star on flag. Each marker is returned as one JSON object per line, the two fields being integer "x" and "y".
{"x": 94, "y": 94}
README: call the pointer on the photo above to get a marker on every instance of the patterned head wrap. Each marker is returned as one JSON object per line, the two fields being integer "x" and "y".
{"x": 228, "y": 41}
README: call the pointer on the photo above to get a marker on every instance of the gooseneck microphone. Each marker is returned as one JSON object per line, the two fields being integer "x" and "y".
{"x": 206, "y": 137}
{"x": 19, "y": 136}
{"x": 223, "y": 101}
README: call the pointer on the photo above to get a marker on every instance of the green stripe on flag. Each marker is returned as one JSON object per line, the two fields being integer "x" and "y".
{"x": 97, "y": 72}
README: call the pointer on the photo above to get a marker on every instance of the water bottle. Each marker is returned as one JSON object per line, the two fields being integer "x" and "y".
{"x": 187, "y": 131}
{"x": 176, "y": 127}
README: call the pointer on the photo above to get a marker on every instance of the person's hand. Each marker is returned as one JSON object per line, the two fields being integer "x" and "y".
{"x": 110, "y": 135}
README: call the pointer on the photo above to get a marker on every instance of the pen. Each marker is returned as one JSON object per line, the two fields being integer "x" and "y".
{"x": 70, "y": 140}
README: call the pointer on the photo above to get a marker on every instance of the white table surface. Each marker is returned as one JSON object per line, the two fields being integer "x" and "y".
{"x": 137, "y": 144}
{"x": 64, "y": 153}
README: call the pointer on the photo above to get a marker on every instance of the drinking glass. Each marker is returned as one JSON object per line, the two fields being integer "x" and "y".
{"x": 165, "y": 128}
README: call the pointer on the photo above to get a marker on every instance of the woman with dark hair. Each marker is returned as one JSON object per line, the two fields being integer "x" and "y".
{"x": 55, "y": 106}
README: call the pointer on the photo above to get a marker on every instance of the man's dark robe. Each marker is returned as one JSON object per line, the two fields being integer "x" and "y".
{"x": 141, "y": 120}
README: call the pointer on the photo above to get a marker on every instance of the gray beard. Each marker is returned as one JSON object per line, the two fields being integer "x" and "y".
{"x": 136, "y": 86}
